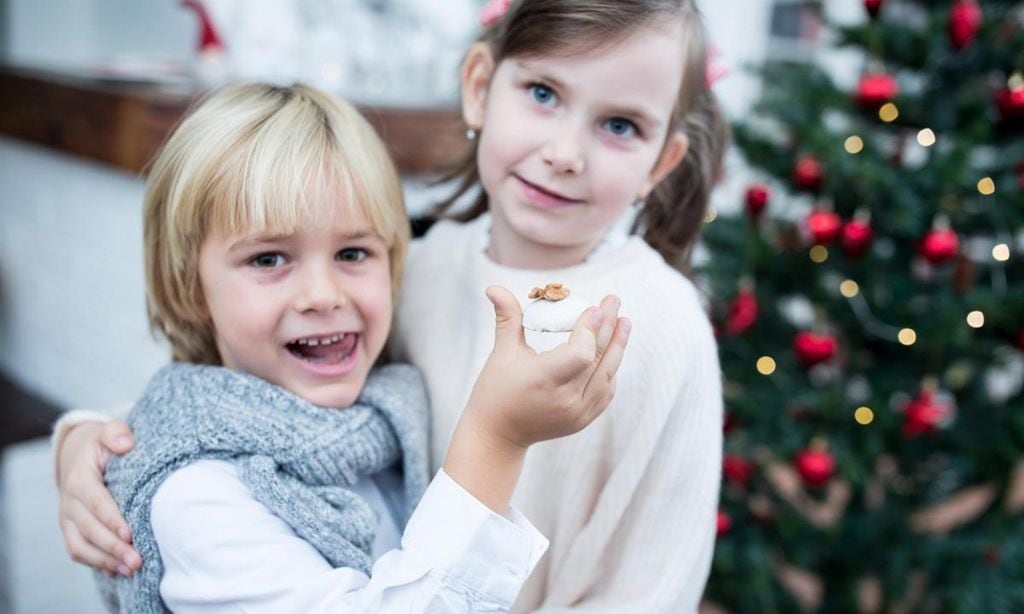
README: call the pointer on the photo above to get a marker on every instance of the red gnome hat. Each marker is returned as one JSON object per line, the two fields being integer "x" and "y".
{"x": 208, "y": 36}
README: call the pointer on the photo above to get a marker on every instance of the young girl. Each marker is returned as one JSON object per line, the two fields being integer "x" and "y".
{"x": 273, "y": 462}
{"x": 584, "y": 111}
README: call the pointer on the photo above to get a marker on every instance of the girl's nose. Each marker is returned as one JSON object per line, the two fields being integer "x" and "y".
{"x": 564, "y": 152}
{"x": 319, "y": 291}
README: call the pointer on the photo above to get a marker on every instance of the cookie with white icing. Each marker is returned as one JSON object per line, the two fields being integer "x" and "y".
{"x": 553, "y": 309}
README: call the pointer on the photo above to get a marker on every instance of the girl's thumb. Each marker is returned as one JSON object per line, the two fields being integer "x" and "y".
{"x": 117, "y": 437}
{"x": 508, "y": 319}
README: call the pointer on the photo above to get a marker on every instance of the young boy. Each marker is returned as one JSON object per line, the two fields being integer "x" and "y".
{"x": 275, "y": 466}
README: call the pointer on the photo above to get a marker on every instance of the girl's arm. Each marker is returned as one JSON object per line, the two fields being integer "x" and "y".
{"x": 95, "y": 534}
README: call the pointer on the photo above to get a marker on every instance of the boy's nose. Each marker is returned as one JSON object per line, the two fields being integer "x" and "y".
{"x": 564, "y": 151}
{"x": 319, "y": 290}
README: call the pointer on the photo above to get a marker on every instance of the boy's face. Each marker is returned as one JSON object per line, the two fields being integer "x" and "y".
{"x": 309, "y": 312}
{"x": 569, "y": 142}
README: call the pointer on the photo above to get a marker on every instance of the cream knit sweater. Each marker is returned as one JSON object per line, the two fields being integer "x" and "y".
{"x": 628, "y": 504}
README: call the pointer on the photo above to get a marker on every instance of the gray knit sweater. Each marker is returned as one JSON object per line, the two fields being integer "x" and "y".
{"x": 296, "y": 458}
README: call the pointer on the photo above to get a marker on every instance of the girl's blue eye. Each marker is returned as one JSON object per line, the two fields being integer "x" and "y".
{"x": 542, "y": 94}
{"x": 268, "y": 260}
{"x": 621, "y": 127}
{"x": 352, "y": 254}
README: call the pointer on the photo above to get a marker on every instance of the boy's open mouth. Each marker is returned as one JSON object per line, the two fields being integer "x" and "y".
{"x": 326, "y": 349}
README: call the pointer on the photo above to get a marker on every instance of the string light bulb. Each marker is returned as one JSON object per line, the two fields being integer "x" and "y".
{"x": 986, "y": 187}
{"x": 888, "y": 113}
{"x": 849, "y": 288}
{"x": 819, "y": 254}
{"x": 926, "y": 137}
{"x": 854, "y": 144}
{"x": 766, "y": 365}
{"x": 864, "y": 415}
{"x": 907, "y": 336}
{"x": 976, "y": 319}
{"x": 1001, "y": 252}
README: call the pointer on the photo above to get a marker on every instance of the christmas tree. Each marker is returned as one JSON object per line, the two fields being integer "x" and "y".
{"x": 869, "y": 304}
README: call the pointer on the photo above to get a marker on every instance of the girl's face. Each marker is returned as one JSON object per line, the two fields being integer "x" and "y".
{"x": 568, "y": 142}
{"x": 308, "y": 311}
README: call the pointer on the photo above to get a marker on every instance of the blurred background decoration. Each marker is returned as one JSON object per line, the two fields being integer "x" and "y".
{"x": 869, "y": 300}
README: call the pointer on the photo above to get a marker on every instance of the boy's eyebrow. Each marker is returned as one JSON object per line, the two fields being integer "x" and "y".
{"x": 258, "y": 239}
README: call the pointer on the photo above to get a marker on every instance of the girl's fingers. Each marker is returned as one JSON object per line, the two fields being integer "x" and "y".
{"x": 610, "y": 308}
{"x": 508, "y": 319}
{"x": 97, "y": 534}
{"x": 101, "y": 506}
{"x": 117, "y": 437}
{"x": 601, "y": 386}
{"x": 569, "y": 360}
{"x": 82, "y": 552}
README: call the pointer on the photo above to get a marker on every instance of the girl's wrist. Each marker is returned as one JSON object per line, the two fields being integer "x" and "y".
{"x": 485, "y": 464}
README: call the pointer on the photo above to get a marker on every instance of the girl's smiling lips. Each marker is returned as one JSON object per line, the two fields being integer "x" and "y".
{"x": 543, "y": 197}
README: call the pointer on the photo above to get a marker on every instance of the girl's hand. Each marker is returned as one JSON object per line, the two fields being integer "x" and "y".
{"x": 523, "y": 397}
{"x": 95, "y": 534}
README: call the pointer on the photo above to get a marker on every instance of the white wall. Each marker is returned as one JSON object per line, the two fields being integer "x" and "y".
{"x": 72, "y": 305}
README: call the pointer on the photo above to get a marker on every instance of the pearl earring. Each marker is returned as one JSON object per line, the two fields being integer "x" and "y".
{"x": 471, "y": 134}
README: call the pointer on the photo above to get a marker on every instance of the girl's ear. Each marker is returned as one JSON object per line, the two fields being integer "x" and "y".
{"x": 477, "y": 69}
{"x": 671, "y": 155}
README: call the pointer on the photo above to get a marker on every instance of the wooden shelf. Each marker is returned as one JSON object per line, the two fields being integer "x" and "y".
{"x": 123, "y": 124}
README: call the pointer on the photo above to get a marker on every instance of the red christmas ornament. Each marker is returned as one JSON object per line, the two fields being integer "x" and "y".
{"x": 757, "y": 199}
{"x": 812, "y": 349}
{"x": 815, "y": 466}
{"x": 743, "y": 312}
{"x": 856, "y": 237}
{"x": 808, "y": 173}
{"x": 876, "y": 89}
{"x": 873, "y": 7}
{"x": 1010, "y": 99}
{"x": 823, "y": 226}
{"x": 939, "y": 245}
{"x": 723, "y": 523}
{"x": 923, "y": 414}
{"x": 964, "y": 21}
{"x": 737, "y": 470}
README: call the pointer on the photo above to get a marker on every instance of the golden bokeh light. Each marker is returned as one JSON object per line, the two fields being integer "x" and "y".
{"x": 864, "y": 416}
{"x": 849, "y": 288}
{"x": 819, "y": 254}
{"x": 766, "y": 365}
{"x": 986, "y": 186}
{"x": 976, "y": 319}
{"x": 926, "y": 137}
{"x": 907, "y": 336}
{"x": 711, "y": 215}
{"x": 888, "y": 112}
{"x": 854, "y": 144}
{"x": 1001, "y": 252}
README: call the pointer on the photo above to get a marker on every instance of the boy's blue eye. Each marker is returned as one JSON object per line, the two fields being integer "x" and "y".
{"x": 352, "y": 254}
{"x": 621, "y": 127}
{"x": 542, "y": 94}
{"x": 268, "y": 260}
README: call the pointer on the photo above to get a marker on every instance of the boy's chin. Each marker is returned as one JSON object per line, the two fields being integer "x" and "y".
{"x": 338, "y": 396}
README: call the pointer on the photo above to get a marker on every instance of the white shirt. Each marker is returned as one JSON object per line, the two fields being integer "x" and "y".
{"x": 224, "y": 551}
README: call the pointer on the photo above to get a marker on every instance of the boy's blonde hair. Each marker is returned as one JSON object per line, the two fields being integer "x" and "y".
{"x": 257, "y": 158}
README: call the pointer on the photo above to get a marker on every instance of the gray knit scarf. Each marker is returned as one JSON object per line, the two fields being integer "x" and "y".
{"x": 296, "y": 458}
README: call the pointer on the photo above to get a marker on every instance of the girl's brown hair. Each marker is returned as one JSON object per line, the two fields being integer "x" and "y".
{"x": 673, "y": 213}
